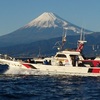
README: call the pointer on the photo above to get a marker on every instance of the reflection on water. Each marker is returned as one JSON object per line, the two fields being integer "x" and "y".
{"x": 49, "y": 87}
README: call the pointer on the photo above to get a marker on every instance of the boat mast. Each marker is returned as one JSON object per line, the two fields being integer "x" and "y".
{"x": 60, "y": 44}
{"x": 63, "y": 38}
{"x": 81, "y": 42}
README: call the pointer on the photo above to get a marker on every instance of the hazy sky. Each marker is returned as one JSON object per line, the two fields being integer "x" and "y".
{"x": 16, "y": 13}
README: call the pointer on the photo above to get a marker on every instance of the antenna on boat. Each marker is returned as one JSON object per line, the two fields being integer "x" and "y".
{"x": 64, "y": 37}
{"x": 39, "y": 53}
{"x": 60, "y": 44}
{"x": 81, "y": 42}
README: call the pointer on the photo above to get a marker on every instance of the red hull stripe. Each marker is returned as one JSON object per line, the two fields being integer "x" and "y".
{"x": 94, "y": 70}
{"x": 29, "y": 66}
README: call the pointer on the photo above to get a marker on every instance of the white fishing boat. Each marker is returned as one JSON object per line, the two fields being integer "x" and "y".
{"x": 64, "y": 62}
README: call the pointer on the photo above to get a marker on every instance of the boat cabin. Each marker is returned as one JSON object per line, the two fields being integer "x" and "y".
{"x": 67, "y": 58}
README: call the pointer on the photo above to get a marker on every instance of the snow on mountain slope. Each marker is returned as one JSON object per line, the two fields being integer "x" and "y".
{"x": 47, "y": 20}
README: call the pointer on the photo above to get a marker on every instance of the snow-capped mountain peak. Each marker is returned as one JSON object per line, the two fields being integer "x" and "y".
{"x": 47, "y": 19}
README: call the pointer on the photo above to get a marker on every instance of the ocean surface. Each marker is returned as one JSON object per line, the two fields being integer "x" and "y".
{"x": 49, "y": 87}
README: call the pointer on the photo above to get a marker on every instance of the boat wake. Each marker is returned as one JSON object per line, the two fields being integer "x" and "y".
{"x": 20, "y": 71}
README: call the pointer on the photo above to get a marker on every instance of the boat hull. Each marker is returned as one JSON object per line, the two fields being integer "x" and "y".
{"x": 49, "y": 69}
{"x": 68, "y": 70}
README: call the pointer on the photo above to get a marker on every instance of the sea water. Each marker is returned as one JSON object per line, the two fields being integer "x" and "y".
{"x": 49, "y": 87}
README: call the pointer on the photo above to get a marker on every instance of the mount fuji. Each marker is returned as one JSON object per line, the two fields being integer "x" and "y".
{"x": 48, "y": 25}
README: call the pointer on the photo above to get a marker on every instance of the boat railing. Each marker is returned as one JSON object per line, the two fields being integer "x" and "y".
{"x": 5, "y": 57}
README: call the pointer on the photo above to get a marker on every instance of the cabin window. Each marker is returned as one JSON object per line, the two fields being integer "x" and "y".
{"x": 61, "y": 55}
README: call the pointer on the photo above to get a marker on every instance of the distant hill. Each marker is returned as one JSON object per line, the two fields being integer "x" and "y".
{"x": 46, "y": 47}
{"x": 47, "y": 26}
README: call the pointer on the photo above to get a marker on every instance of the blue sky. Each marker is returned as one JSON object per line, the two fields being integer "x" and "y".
{"x": 16, "y": 13}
